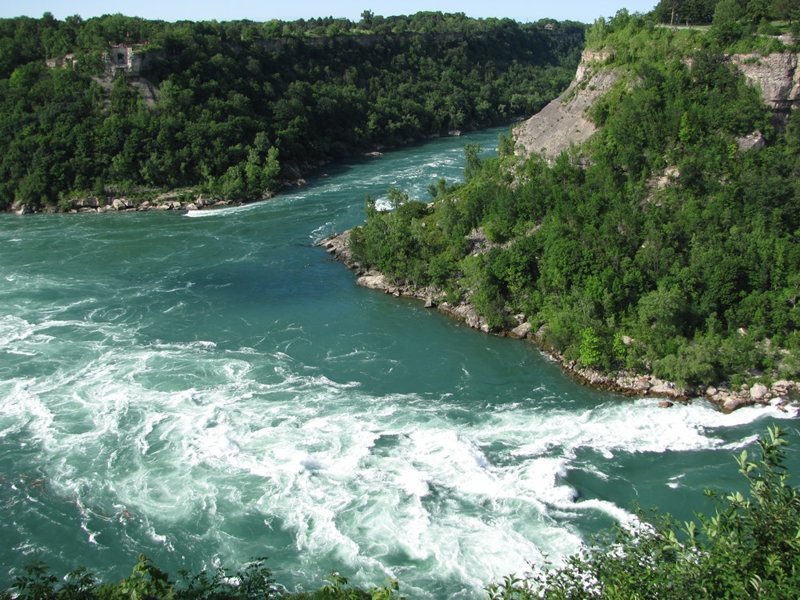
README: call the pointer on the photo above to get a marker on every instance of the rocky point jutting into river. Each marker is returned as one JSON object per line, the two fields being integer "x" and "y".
{"x": 782, "y": 391}
{"x": 563, "y": 124}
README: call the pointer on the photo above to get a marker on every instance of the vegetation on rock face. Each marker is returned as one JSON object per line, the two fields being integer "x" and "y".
{"x": 750, "y": 548}
{"x": 661, "y": 247}
{"x": 241, "y": 105}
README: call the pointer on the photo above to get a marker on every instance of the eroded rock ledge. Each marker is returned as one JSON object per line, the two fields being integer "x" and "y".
{"x": 780, "y": 393}
{"x": 563, "y": 122}
{"x": 184, "y": 200}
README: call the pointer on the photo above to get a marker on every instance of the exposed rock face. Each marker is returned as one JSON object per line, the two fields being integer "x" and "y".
{"x": 754, "y": 141}
{"x": 521, "y": 331}
{"x": 121, "y": 204}
{"x": 563, "y": 122}
{"x": 759, "y": 392}
{"x": 373, "y": 281}
{"x": 468, "y": 314}
{"x": 590, "y": 60}
{"x": 732, "y": 402}
{"x": 776, "y": 75}
{"x": 148, "y": 91}
{"x": 339, "y": 246}
{"x": 167, "y": 201}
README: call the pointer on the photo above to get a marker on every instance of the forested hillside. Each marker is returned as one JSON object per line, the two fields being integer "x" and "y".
{"x": 231, "y": 109}
{"x": 666, "y": 245}
{"x": 751, "y": 13}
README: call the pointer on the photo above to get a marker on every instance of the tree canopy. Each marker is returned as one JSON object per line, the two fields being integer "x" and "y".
{"x": 661, "y": 247}
{"x": 701, "y": 12}
{"x": 233, "y": 108}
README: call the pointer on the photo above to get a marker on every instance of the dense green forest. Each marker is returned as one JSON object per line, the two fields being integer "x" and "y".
{"x": 749, "y": 548}
{"x": 751, "y": 13}
{"x": 660, "y": 247}
{"x": 236, "y": 107}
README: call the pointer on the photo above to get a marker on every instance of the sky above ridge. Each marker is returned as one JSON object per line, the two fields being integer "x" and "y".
{"x": 261, "y": 10}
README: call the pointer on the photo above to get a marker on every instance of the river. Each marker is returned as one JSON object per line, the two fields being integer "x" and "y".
{"x": 211, "y": 387}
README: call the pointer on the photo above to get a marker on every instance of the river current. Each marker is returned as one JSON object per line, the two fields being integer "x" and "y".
{"x": 211, "y": 387}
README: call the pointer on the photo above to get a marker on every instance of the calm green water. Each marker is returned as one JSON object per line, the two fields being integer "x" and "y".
{"x": 209, "y": 388}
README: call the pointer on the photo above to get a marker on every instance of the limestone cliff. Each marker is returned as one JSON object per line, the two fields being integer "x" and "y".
{"x": 564, "y": 123}
{"x": 776, "y": 75}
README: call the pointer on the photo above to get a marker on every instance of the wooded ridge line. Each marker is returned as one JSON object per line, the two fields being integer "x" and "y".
{"x": 120, "y": 108}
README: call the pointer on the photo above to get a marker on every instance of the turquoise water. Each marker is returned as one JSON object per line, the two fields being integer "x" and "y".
{"x": 209, "y": 388}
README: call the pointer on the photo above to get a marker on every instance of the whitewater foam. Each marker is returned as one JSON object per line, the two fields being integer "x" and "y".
{"x": 400, "y": 480}
{"x": 249, "y": 421}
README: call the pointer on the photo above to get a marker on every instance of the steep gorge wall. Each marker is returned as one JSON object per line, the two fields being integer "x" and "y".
{"x": 776, "y": 75}
{"x": 564, "y": 123}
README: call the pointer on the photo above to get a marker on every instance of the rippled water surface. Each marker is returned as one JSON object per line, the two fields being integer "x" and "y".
{"x": 209, "y": 388}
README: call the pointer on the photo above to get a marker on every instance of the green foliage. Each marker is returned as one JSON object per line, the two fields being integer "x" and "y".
{"x": 148, "y": 582}
{"x": 472, "y": 164}
{"x": 590, "y": 353}
{"x": 256, "y": 179}
{"x": 505, "y": 145}
{"x": 685, "y": 12}
{"x": 338, "y": 589}
{"x": 241, "y": 106}
{"x": 396, "y": 198}
{"x": 726, "y": 25}
{"x": 701, "y": 273}
{"x": 693, "y": 364}
{"x": 702, "y": 12}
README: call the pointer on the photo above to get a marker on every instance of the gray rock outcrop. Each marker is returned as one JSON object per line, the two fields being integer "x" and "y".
{"x": 776, "y": 75}
{"x": 754, "y": 141}
{"x": 521, "y": 331}
{"x": 759, "y": 393}
{"x": 563, "y": 122}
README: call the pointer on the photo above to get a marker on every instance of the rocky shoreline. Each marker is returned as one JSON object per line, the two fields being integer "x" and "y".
{"x": 188, "y": 200}
{"x": 780, "y": 393}
{"x": 169, "y": 201}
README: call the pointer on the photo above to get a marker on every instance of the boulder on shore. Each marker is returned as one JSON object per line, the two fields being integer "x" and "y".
{"x": 374, "y": 281}
{"x": 759, "y": 393}
{"x": 521, "y": 331}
